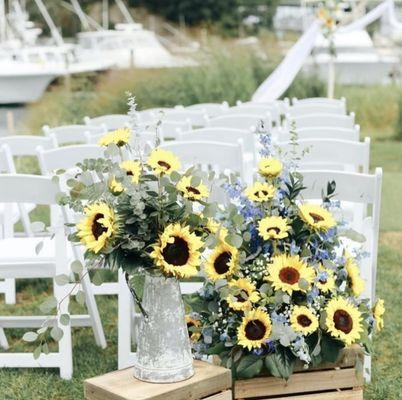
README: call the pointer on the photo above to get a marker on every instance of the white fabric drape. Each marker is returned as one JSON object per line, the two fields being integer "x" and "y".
{"x": 281, "y": 78}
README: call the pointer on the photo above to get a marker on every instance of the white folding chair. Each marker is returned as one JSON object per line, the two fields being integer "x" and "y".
{"x": 334, "y": 154}
{"x": 168, "y": 130}
{"x": 324, "y": 133}
{"x": 67, "y": 134}
{"x": 260, "y": 110}
{"x": 320, "y": 101}
{"x": 210, "y": 109}
{"x": 152, "y": 114}
{"x": 327, "y": 120}
{"x": 196, "y": 118}
{"x": 282, "y": 105}
{"x": 307, "y": 109}
{"x": 363, "y": 190}
{"x": 111, "y": 121}
{"x": 239, "y": 121}
{"x": 19, "y": 260}
{"x": 142, "y": 138}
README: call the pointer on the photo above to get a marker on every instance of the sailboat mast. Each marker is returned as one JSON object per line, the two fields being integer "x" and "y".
{"x": 53, "y": 29}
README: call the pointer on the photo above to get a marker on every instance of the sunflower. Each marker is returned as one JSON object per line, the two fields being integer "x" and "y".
{"x": 213, "y": 227}
{"x": 191, "y": 322}
{"x": 120, "y": 137}
{"x": 343, "y": 320}
{"x": 285, "y": 273}
{"x": 356, "y": 283}
{"x": 317, "y": 217}
{"x": 325, "y": 280}
{"x": 269, "y": 167}
{"x": 222, "y": 262}
{"x": 378, "y": 312}
{"x": 133, "y": 169}
{"x": 273, "y": 228}
{"x": 116, "y": 187}
{"x": 192, "y": 192}
{"x": 98, "y": 227}
{"x": 254, "y": 330}
{"x": 177, "y": 251}
{"x": 303, "y": 320}
{"x": 243, "y": 295}
{"x": 260, "y": 192}
{"x": 163, "y": 161}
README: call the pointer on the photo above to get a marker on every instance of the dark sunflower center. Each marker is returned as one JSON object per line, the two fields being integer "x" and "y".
{"x": 289, "y": 275}
{"x": 255, "y": 330}
{"x": 323, "y": 281}
{"x": 316, "y": 217}
{"x": 192, "y": 190}
{"x": 222, "y": 263}
{"x": 120, "y": 143}
{"x": 275, "y": 229}
{"x": 343, "y": 321}
{"x": 97, "y": 227}
{"x": 304, "y": 320}
{"x": 164, "y": 164}
{"x": 129, "y": 173}
{"x": 242, "y": 296}
{"x": 176, "y": 253}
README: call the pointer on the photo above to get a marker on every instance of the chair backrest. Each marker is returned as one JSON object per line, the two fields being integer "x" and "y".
{"x": 152, "y": 114}
{"x": 356, "y": 188}
{"x": 72, "y": 133}
{"x": 282, "y": 105}
{"x": 320, "y": 100}
{"x": 6, "y": 160}
{"x": 238, "y": 121}
{"x": 324, "y": 133}
{"x": 22, "y": 188}
{"x": 261, "y": 110}
{"x": 307, "y": 109}
{"x": 26, "y": 145}
{"x": 210, "y": 109}
{"x": 327, "y": 120}
{"x": 224, "y": 135}
{"x": 111, "y": 121}
{"x": 67, "y": 157}
{"x": 194, "y": 117}
{"x": 168, "y": 130}
{"x": 335, "y": 154}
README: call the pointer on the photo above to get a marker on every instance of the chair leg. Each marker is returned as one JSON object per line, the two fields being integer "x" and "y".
{"x": 3, "y": 339}
{"x": 367, "y": 369}
{"x": 10, "y": 296}
{"x": 124, "y": 323}
{"x": 93, "y": 312}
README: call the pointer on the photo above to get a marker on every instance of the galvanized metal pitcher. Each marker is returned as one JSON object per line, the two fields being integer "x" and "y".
{"x": 163, "y": 345}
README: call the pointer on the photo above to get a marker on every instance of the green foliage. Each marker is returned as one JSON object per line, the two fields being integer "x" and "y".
{"x": 398, "y": 125}
{"x": 281, "y": 363}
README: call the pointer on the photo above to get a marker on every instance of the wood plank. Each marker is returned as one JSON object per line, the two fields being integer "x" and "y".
{"x": 121, "y": 385}
{"x": 226, "y": 395}
{"x": 353, "y": 394}
{"x": 314, "y": 381}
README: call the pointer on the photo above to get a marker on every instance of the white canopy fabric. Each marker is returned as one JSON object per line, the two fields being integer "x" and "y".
{"x": 284, "y": 74}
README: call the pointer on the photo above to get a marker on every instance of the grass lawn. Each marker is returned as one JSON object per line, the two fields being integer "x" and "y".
{"x": 89, "y": 360}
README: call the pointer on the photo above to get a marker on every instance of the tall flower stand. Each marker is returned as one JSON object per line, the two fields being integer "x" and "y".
{"x": 336, "y": 381}
{"x": 209, "y": 382}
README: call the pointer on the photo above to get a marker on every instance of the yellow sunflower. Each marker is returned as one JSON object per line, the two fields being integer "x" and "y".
{"x": 163, "y": 161}
{"x": 191, "y": 192}
{"x": 356, "y": 283}
{"x": 133, "y": 169}
{"x": 285, "y": 273}
{"x": 115, "y": 187}
{"x": 120, "y": 137}
{"x": 303, "y": 320}
{"x": 273, "y": 228}
{"x": 191, "y": 322}
{"x": 213, "y": 226}
{"x": 222, "y": 262}
{"x": 243, "y": 295}
{"x": 378, "y": 312}
{"x": 269, "y": 167}
{"x": 325, "y": 280}
{"x": 317, "y": 217}
{"x": 98, "y": 227}
{"x": 343, "y": 320}
{"x": 260, "y": 192}
{"x": 177, "y": 251}
{"x": 254, "y": 330}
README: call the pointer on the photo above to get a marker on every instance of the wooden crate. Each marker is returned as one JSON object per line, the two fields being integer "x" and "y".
{"x": 209, "y": 383}
{"x": 330, "y": 382}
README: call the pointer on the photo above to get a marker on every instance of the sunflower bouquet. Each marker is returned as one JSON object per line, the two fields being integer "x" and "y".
{"x": 288, "y": 291}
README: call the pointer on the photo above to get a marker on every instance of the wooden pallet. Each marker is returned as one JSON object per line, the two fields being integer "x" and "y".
{"x": 329, "y": 382}
{"x": 209, "y": 383}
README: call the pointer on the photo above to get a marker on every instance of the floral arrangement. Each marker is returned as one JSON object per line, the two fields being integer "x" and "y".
{"x": 288, "y": 291}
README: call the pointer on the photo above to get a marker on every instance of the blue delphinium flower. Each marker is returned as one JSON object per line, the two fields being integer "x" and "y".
{"x": 278, "y": 318}
{"x": 312, "y": 294}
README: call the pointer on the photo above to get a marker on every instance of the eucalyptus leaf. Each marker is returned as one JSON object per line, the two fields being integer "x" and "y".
{"x": 234, "y": 240}
{"x": 38, "y": 226}
{"x": 65, "y": 319}
{"x": 353, "y": 235}
{"x": 56, "y": 333}
{"x": 30, "y": 336}
{"x": 48, "y": 305}
{"x": 97, "y": 279}
{"x": 37, "y": 352}
{"x": 39, "y": 247}
{"x": 80, "y": 297}
{"x": 76, "y": 266}
{"x": 62, "y": 279}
